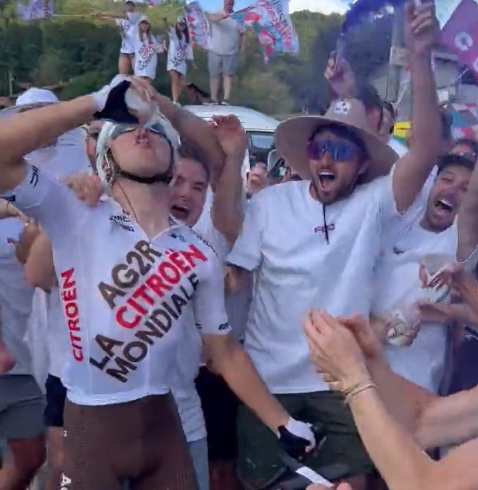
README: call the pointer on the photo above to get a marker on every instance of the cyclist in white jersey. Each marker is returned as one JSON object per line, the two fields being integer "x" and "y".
{"x": 128, "y": 272}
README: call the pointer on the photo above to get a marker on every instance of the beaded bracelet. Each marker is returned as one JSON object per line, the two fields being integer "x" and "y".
{"x": 359, "y": 389}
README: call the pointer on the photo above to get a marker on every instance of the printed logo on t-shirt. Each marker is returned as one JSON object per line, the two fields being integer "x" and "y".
{"x": 147, "y": 294}
{"x": 71, "y": 310}
{"x": 122, "y": 220}
{"x": 397, "y": 251}
{"x": 34, "y": 176}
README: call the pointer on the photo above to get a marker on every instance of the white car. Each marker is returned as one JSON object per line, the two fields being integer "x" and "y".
{"x": 258, "y": 126}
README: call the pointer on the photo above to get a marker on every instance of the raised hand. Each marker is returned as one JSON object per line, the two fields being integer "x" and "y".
{"x": 335, "y": 350}
{"x": 230, "y": 135}
{"x": 86, "y": 188}
{"x": 421, "y": 27}
{"x": 340, "y": 77}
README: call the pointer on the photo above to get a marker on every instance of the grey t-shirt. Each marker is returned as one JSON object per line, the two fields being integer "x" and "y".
{"x": 225, "y": 37}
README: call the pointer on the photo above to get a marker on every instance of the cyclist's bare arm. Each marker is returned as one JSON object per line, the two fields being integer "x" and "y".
{"x": 399, "y": 459}
{"x": 39, "y": 268}
{"x": 195, "y": 132}
{"x": 25, "y": 133}
{"x": 234, "y": 365}
{"x": 468, "y": 220}
{"x": 434, "y": 421}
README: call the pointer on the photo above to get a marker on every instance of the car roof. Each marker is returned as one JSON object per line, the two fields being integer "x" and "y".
{"x": 250, "y": 119}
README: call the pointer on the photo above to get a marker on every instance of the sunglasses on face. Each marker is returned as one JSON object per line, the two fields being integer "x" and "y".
{"x": 339, "y": 151}
{"x": 153, "y": 128}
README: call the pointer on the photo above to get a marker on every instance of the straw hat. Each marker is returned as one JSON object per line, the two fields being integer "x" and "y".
{"x": 292, "y": 136}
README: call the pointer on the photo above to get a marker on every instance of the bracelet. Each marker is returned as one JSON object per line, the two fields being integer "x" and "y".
{"x": 346, "y": 391}
{"x": 359, "y": 389}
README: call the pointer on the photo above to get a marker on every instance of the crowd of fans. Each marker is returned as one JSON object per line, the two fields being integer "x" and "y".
{"x": 166, "y": 324}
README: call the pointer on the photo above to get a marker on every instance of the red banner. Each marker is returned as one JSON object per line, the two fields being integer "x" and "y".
{"x": 460, "y": 34}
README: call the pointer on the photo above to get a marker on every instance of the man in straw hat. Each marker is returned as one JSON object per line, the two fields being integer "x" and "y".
{"x": 314, "y": 243}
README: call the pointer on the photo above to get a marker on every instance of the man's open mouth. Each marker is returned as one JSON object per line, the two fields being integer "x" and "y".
{"x": 180, "y": 211}
{"x": 444, "y": 205}
{"x": 326, "y": 178}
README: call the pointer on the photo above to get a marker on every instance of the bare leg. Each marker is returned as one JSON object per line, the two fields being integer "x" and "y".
{"x": 55, "y": 457}
{"x": 124, "y": 64}
{"x": 227, "y": 87}
{"x": 174, "y": 85}
{"x": 27, "y": 457}
{"x": 214, "y": 87}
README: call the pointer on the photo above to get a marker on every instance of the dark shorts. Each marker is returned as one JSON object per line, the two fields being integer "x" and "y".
{"x": 139, "y": 443}
{"x": 21, "y": 407}
{"x": 219, "y": 405}
{"x": 258, "y": 446}
{"x": 55, "y": 402}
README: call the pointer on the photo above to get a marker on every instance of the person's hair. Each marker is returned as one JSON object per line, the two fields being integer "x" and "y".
{"x": 179, "y": 34}
{"x": 446, "y": 125}
{"x": 471, "y": 143}
{"x": 188, "y": 151}
{"x": 343, "y": 132}
{"x": 450, "y": 160}
{"x": 370, "y": 98}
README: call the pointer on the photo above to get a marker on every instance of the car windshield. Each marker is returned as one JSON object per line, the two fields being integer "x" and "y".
{"x": 261, "y": 141}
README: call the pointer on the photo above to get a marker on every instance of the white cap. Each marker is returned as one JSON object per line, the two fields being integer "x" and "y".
{"x": 36, "y": 96}
{"x": 144, "y": 18}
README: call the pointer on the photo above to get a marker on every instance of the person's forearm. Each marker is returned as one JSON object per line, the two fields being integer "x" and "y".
{"x": 195, "y": 131}
{"x": 449, "y": 420}
{"x": 29, "y": 131}
{"x": 413, "y": 171}
{"x": 468, "y": 220}
{"x": 227, "y": 211}
{"x": 400, "y": 461}
{"x": 39, "y": 267}
{"x": 404, "y": 400}
{"x": 468, "y": 290}
{"x": 237, "y": 370}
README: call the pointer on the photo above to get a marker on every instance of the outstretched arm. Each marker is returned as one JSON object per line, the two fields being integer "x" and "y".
{"x": 26, "y": 132}
{"x": 413, "y": 169}
{"x": 397, "y": 456}
{"x": 196, "y": 132}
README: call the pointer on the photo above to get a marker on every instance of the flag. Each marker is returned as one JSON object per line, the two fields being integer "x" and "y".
{"x": 271, "y": 23}
{"x": 198, "y": 25}
{"x": 35, "y": 10}
{"x": 464, "y": 120}
{"x": 460, "y": 34}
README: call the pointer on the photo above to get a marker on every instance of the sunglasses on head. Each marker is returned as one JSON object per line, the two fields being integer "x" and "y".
{"x": 339, "y": 151}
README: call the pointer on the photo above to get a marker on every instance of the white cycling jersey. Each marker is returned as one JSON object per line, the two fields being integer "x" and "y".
{"x": 124, "y": 296}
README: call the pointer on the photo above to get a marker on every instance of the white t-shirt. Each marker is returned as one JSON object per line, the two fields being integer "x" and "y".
{"x": 145, "y": 56}
{"x": 15, "y": 298}
{"x": 184, "y": 389}
{"x": 225, "y": 37}
{"x": 124, "y": 296}
{"x": 128, "y": 27}
{"x": 397, "y": 284}
{"x": 179, "y": 51}
{"x": 283, "y": 241}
